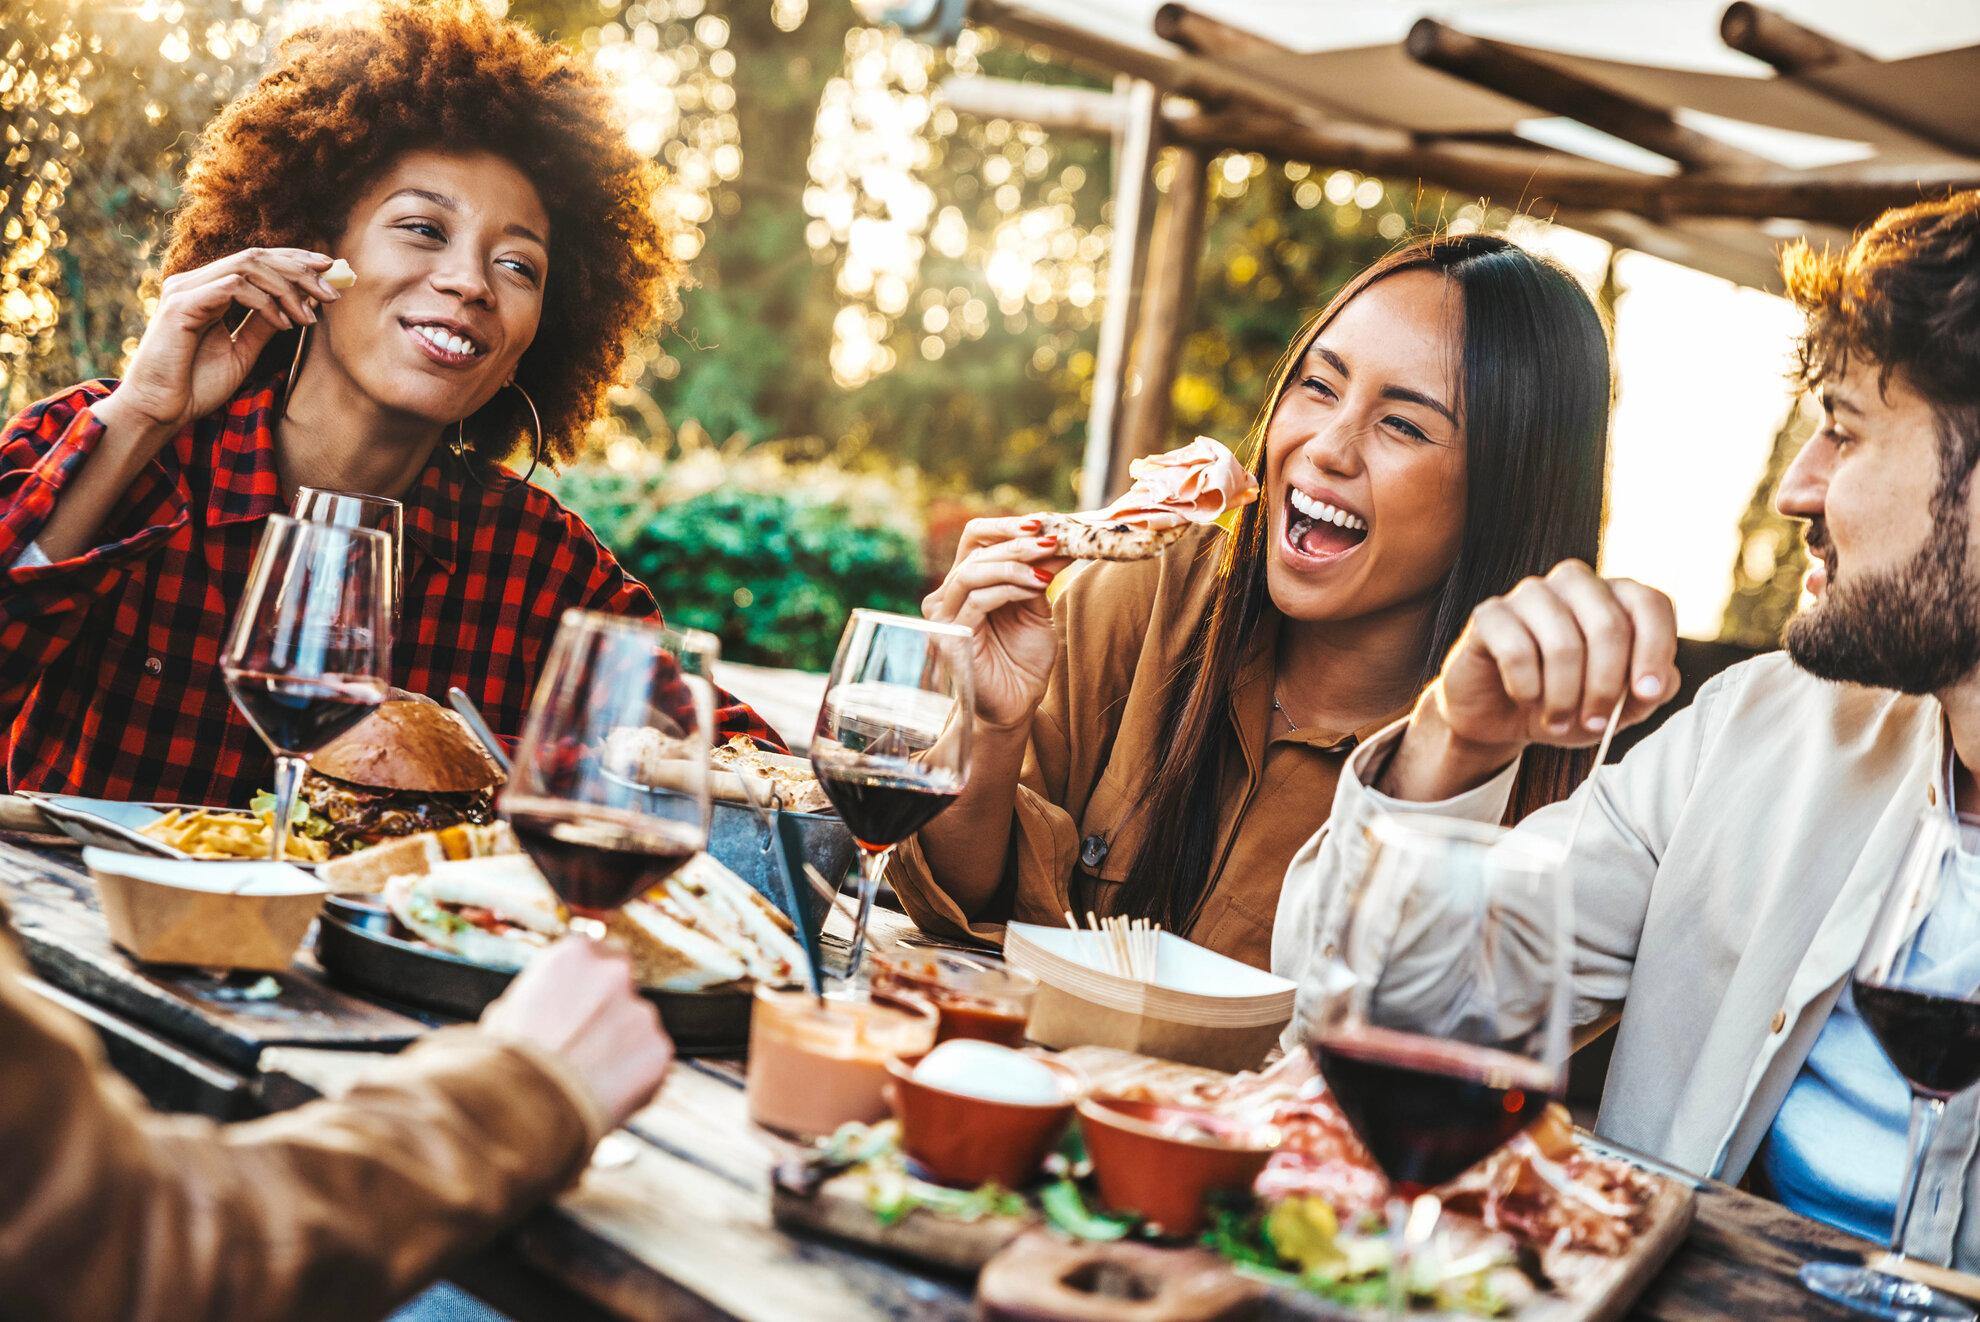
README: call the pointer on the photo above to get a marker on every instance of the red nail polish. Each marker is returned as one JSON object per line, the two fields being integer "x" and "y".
{"x": 1043, "y": 576}
{"x": 1031, "y": 525}
{"x": 1048, "y": 542}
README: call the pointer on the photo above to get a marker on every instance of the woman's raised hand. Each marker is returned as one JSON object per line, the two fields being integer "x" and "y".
{"x": 1547, "y": 662}
{"x": 997, "y": 589}
{"x": 189, "y": 363}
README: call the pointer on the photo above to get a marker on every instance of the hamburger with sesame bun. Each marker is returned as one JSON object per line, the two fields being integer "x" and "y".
{"x": 408, "y": 767}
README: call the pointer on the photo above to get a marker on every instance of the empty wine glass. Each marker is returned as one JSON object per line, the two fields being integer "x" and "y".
{"x": 609, "y": 793}
{"x": 892, "y": 744}
{"x": 308, "y": 655}
{"x": 1917, "y": 988}
{"x": 358, "y": 509}
{"x": 1443, "y": 1028}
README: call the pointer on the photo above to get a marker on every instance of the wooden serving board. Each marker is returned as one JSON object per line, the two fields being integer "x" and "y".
{"x": 838, "y": 1210}
{"x": 1602, "y": 1289}
{"x": 54, "y": 909}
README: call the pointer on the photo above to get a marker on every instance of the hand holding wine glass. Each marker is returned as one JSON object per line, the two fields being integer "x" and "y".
{"x": 892, "y": 744}
{"x": 600, "y": 835}
{"x": 310, "y": 649}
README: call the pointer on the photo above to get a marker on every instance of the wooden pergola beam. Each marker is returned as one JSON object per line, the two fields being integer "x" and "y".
{"x": 1512, "y": 73}
{"x": 1778, "y": 40}
{"x": 1798, "y": 52}
{"x": 1530, "y": 179}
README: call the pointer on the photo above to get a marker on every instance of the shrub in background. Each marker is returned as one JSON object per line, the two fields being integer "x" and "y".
{"x": 768, "y": 555}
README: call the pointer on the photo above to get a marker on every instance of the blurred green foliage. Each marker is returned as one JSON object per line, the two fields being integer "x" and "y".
{"x": 773, "y": 574}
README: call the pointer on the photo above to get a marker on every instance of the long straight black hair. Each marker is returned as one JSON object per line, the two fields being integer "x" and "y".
{"x": 1534, "y": 397}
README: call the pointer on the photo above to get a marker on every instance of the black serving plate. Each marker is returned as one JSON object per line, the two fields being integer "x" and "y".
{"x": 359, "y": 950}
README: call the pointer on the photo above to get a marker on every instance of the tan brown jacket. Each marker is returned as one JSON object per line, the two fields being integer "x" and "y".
{"x": 1122, "y": 629}
{"x": 334, "y": 1210}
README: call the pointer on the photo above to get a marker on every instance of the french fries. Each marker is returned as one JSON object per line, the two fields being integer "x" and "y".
{"x": 205, "y": 833}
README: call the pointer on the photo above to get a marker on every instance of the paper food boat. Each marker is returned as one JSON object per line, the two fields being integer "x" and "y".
{"x": 226, "y": 915}
{"x": 1201, "y": 1008}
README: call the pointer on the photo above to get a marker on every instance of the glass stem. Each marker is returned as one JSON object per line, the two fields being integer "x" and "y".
{"x": 872, "y": 867}
{"x": 1399, "y": 1257}
{"x": 288, "y": 780}
{"x": 1925, "y": 1115}
{"x": 1412, "y": 1222}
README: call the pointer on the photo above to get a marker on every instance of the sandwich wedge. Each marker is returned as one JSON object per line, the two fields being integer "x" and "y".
{"x": 705, "y": 927}
{"x": 495, "y": 910}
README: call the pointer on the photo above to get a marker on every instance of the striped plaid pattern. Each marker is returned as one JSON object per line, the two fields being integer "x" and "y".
{"x": 110, "y": 680}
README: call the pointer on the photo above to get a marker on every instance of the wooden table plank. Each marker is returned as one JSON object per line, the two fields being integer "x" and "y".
{"x": 53, "y": 905}
{"x": 686, "y": 1220}
{"x": 1739, "y": 1264}
{"x": 689, "y": 1214}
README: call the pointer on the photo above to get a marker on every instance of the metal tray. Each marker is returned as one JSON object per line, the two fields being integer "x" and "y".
{"x": 740, "y": 841}
{"x": 360, "y": 951}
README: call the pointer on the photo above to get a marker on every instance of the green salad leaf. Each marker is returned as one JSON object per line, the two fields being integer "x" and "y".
{"x": 301, "y": 816}
{"x": 1066, "y": 1210}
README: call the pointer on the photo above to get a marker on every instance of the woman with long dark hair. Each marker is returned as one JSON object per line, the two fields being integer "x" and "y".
{"x": 1158, "y": 738}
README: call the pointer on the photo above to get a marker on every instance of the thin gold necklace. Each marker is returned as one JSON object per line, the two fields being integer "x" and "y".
{"x": 1292, "y": 726}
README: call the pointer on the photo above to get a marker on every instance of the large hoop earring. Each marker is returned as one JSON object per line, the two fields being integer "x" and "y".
{"x": 460, "y": 446}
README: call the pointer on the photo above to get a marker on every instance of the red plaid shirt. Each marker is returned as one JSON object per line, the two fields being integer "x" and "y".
{"x": 110, "y": 680}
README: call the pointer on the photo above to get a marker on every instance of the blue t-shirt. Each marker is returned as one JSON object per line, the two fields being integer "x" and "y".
{"x": 1836, "y": 1151}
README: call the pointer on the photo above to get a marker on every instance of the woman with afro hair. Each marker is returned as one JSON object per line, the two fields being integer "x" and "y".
{"x": 499, "y": 230}
{"x": 504, "y": 245}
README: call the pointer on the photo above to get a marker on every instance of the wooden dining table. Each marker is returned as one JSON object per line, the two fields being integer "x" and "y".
{"x": 672, "y": 1219}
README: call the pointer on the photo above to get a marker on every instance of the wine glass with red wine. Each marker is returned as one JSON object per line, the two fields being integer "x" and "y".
{"x": 1916, "y": 987}
{"x": 311, "y": 646}
{"x": 892, "y": 744}
{"x": 1443, "y": 1028}
{"x": 609, "y": 793}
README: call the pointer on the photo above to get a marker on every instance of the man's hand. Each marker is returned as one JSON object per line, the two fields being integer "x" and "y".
{"x": 1544, "y": 664}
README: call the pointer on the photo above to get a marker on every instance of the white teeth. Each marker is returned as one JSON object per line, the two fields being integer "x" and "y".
{"x": 1320, "y": 510}
{"x": 445, "y": 340}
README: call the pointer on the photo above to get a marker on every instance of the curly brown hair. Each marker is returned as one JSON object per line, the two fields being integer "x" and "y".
{"x": 1905, "y": 298}
{"x": 344, "y": 101}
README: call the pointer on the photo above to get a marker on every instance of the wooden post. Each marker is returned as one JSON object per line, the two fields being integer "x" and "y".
{"x": 1167, "y": 301}
{"x": 1136, "y": 149}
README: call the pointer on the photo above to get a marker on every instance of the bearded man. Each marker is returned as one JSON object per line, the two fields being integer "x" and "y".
{"x": 1727, "y": 875}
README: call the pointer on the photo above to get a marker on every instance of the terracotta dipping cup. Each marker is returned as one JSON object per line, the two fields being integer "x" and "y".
{"x": 813, "y": 1067}
{"x": 1142, "y": 1167}
{"x": 969, "y": 1141}
{"x": 976, "y": 999}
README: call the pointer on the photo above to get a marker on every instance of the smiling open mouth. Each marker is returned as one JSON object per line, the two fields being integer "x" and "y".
{"x": 1318, "y": 530}
{"x": 444, "y": 344}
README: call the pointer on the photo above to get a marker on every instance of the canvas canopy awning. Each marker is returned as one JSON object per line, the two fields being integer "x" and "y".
{"x": 1703, "y": 133}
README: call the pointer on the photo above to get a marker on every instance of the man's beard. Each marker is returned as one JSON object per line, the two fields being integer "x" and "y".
{"x": 1915, "y": 629}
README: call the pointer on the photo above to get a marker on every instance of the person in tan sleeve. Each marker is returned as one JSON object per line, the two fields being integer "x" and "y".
{"x": 1160, "y": 739}
{"x": 336, "y": 1210}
